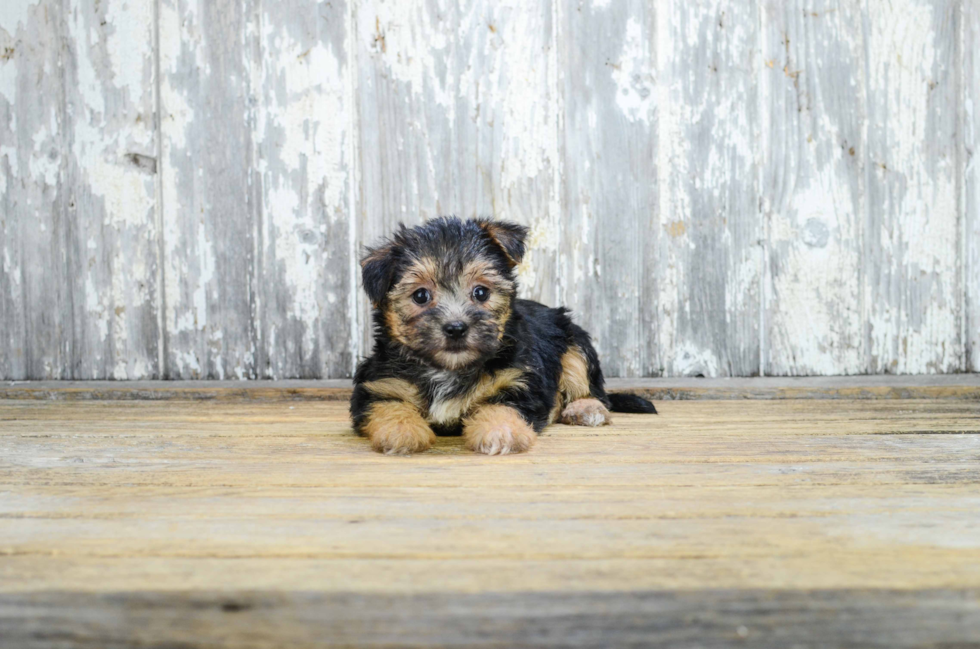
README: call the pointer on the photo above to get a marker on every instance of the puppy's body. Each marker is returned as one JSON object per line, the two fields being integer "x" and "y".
{"x": 456, "y": 353}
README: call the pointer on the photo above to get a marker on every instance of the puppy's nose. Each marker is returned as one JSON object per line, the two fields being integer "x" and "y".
{"x": 455, "y": 330}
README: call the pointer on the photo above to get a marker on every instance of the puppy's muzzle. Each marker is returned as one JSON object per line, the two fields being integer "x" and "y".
{"x": 455, "y": 330}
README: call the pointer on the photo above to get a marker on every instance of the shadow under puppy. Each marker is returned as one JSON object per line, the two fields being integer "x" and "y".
{"x": 457, "y": 353}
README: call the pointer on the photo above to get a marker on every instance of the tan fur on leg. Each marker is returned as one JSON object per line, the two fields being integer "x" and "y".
{"x": 574, "y": 380}
{"x": 397, "y": 428}
{"x": 585, "y": 412}
{"x": 497, "y": 430}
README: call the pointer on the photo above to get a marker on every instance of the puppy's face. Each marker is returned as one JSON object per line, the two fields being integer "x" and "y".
{"x": 445, "y": 289}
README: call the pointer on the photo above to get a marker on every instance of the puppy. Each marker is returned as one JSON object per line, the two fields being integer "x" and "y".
{"x": 456, "y": 352}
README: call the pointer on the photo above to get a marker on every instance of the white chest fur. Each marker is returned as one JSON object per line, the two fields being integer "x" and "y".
{"x": 447, "y": 410}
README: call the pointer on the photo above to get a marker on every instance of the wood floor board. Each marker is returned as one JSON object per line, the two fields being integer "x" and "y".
{"x": 259, "y": 524}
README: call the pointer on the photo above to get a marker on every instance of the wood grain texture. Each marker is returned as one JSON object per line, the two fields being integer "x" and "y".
{"x": 839, "y": 618}
{"x": 710, "y": 264}
{"x": 609, "y": 230}
{"x": 813, "y": 187}
{"x": 78, "y": 286}
{"x": 112, "y": 243}
{"x": 209, "y": 200}
{"x": 36, "y": 316}
{"x": 913, "y": 288}
{"x": 302, "y": 135}
{"x": 840, "y": 516}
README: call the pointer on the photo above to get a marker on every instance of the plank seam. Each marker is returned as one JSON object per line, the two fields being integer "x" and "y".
{"x": 158, "y": 187}
{"x": 763, "y": 103}
{"x": 254, "y": 59}
{"x": 557, "y": 169}
{"x": 354, "y": 185}
{"x": 962, "y": 217}
{"x": 69, "y": 344}
{"x": 866, "y": 212}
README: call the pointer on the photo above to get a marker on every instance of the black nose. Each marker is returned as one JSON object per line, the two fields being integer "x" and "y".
{"x": 455, "y": 330}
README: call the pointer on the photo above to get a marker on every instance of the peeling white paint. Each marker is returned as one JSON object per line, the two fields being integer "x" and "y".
{"x": 691, "y": 360}
{"x": 917, "y": 191}
{"x": 814, "y": 322}
{"x": 303, "y": 123}
{"x": 8, "y": 88}
{"x": 633, "y": 74}
{"x": 412, "y": 40}
{"x": 132, "y": 22}
{"x": 43, "y": 165}
{"x": 14, "y": 13}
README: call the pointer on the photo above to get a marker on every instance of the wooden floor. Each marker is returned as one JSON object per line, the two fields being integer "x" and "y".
{"x": 261, "y": 524}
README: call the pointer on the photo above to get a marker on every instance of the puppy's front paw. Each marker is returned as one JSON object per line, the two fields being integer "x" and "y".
{"x": 497, "y": 430}
{"x": 585, "y": 412}
{"x": 396, "y": 428}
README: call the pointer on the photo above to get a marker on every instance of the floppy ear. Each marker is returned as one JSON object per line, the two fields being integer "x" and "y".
{"x": 508, "y": 236}
{"x": 378, "y": 271}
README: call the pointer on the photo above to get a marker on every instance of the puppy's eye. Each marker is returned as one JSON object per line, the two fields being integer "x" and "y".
{"x": 421, "y": 296}
{"x": 481, "y": 293}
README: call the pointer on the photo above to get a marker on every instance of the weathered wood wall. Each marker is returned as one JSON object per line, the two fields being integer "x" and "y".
{"x": 717, "y": 187}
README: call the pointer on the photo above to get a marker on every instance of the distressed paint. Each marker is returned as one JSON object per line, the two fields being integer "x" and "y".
{"x": 302, "y": 131}
{"x": 911, "y": 251}
{"x": 970, "y": 169}
{"x": 714, "y": 187}
{"x": 111, "y": 240}
{"x": 208, "y": 193}
{"x": 36, "y": 303}
{"x": 813, "y": 186}
{"x": 608, "y": 53}
{"x": 709, "y": 263}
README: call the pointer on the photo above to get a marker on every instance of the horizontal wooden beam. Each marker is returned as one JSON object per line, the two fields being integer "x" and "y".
{"x": 945, "y": 386}
{"x": 708, "y": 618}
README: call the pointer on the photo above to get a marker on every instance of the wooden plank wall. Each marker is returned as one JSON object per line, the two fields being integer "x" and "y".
{"x": 716, "y": 187}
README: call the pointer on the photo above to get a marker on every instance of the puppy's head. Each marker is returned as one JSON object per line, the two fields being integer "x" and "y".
{"x": 444, "y": 290}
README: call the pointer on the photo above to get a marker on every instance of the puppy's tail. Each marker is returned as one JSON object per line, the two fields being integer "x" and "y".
{"x": 626, "y": 402}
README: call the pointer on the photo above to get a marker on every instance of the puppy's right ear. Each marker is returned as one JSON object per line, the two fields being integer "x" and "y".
{"x": 378, "y": 271}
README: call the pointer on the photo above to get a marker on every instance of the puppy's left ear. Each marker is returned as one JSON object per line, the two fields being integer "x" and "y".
{"x": 510, "y": 237}
{"x": 378, "y": 271}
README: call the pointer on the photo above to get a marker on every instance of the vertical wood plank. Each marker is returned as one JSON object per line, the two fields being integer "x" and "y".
{"x": 608, "y": 58}
{"x": 970, "y": 168}
{"x": 710, "y": 260}
{"x": 813, "y": 150}
{"x": 911, "y": 249}
{"x": 456, "y": 116}
{"x": 111, "y": 237}
{"x": 210, "y": 212}
{"x": 303, "y": 129}
{"x": 506, "y": 149}
{"x": 35, "y": 301}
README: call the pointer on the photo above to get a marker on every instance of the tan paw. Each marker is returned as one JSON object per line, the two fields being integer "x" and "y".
{"x": 397, "y": 428}
{"x": 497, "y": 430}
{"x": 585, "y": 412}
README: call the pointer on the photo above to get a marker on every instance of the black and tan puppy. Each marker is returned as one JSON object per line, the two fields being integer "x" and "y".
{"x": 457, "y": 353}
